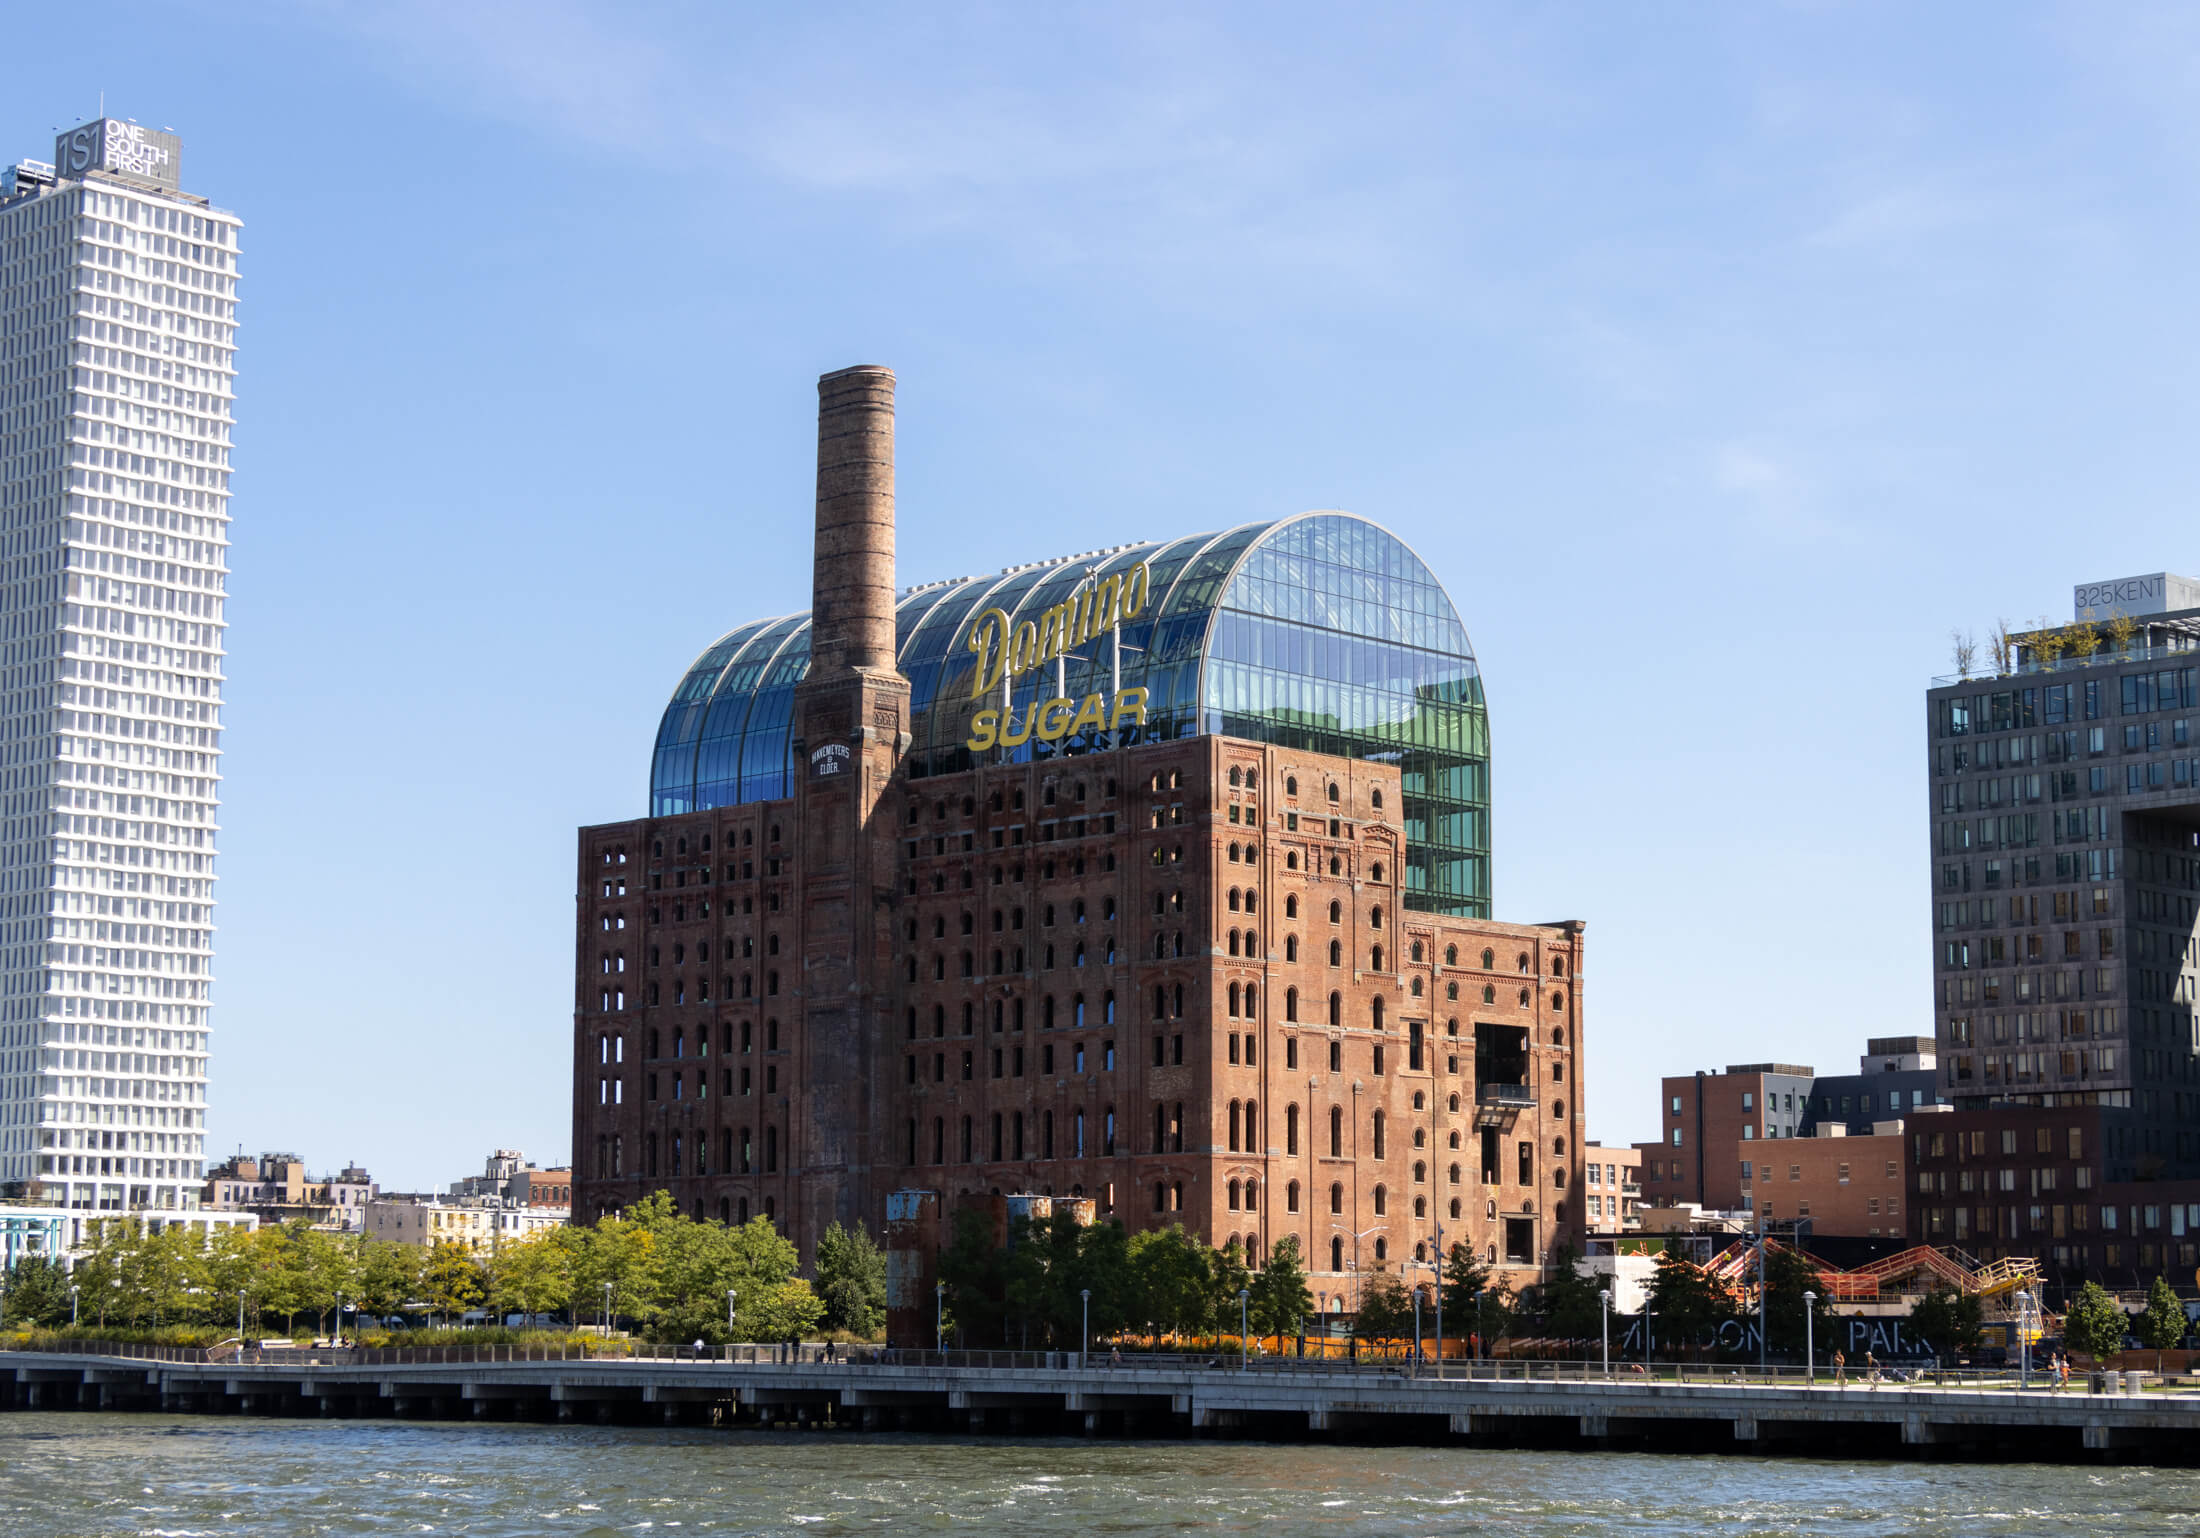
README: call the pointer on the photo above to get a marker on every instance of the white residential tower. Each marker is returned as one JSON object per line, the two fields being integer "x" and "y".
{"x": 117, "y": 326}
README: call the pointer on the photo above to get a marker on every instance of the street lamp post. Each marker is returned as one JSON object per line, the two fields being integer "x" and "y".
{"x": 606, "y": 1310}
{"x": 1416, "y": 1363}
{"x": 729, "y": 1322}
{"x": 2024, "y": 1338}
{"x": 1356, "y": 1238}
{"x": 1649, "y": 1334}
{"x": 1761, "y": 1314}
{"x": 339, "y": 1317}
{"x": 1245, "y": 1297}
{"x": 939, "y": 1317}
{"x": 1810, "y": 1345}
{"x": 1084, "y": 1326}
{"x": 72, "y": 1309}
{"x": 1439, "y": 1300}
{"x": 1605, "y": 1298}
{"x": 240, "y": 1318}
{"x": 1476, "y": 1337}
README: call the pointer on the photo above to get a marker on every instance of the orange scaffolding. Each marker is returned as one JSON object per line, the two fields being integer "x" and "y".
{"x": 1735, "y": 1267}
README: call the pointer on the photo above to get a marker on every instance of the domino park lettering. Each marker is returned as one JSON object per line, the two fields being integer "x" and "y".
{"x": 1008, "y": 651}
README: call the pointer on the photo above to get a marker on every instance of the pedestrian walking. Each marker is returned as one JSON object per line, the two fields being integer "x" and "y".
{"x": 1840, "y": 1369}
{"x": 1871, "y": 1370}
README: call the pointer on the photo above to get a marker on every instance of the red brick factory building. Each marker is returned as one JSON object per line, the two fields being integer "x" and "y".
{"x": 1156, "y": 876}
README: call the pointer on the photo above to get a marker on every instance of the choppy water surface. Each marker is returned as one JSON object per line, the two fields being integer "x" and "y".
{"x": 105, "y": 1474}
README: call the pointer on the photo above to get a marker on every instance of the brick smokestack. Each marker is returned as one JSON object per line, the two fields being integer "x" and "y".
{"x": 852, "y": 587}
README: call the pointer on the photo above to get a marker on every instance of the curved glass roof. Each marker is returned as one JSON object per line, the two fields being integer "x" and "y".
{"x": 1321, "y": 631}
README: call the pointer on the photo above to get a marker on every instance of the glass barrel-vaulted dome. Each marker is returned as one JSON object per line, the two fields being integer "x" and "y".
{"x": 1323, "y": 632}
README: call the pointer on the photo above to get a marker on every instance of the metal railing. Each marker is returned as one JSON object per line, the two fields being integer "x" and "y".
{"x": 1399, "y": 1368}
{"x": 2067, "y": 662}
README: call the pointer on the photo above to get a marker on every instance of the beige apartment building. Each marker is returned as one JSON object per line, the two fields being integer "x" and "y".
{"x": 1611, "y": 1189}
{"x": 276, "y": 1188}
{"x": 479, "y": 1227}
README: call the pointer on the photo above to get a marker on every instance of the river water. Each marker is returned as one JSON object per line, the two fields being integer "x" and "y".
{"x": 82, "y": 1474}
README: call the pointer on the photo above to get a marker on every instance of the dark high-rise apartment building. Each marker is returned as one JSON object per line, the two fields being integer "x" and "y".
{"x": 2064, "y": 777}
{"x": 1154, "y": 877}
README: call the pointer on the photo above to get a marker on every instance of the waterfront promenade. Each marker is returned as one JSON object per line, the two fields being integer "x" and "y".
{"x": 1557, "y": 1405}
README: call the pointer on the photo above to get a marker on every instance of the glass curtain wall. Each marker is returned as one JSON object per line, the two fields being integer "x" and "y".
{"x": 1331, "y": 635}
{"x": 1323, "y": 632}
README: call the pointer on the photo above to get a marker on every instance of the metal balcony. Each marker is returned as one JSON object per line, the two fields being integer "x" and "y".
{"x": 1500, "y": 1105}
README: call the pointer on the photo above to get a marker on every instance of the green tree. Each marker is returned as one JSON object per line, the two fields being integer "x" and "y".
{"x": 1788, "y": 1275}
{"x": 38, "y": 1292}
{"x": 320, "y": 1267}
{"x": 2095, "y": 1323}
{"x": 2163, "y": 1323}
{"x": 851, "y": 1279}
{"x": 388, "y": 1276}
{"x": 1569, "y": 1301}
{"x": 534, "y": 1275}
{"x": 681, "y": 1270}
{"x": 1280, "y": 1298}
{"x": 1464, "y": 1275}
{"x": 290, "y": 1285}
{"x": 973, "y": 1270}
{"x": 1686, "y": 1304}
{"x": 1385, "y": 1312}
{"x": 1104, "y": 1269}
{"x": 786, "y": 1310}
{"x": 1947, "y": 1318}
{"x": 1226, "y": 1278}
{"x": 678, "y": 1293}
{"x": 452, "y": 1280}
{"x": 754, "y": 1256}
{"x": 1039, "y": 1278}
{"x": 621, "y": 1250}
{"x": 236, "y": 1265}
{"x": 1474, "y": 1303}
{"x": 2121, "y": 629}
{"x": 1173, "y": 1274}
{"x": 171, "y": 1274}
{"x": 108, "y": 1271}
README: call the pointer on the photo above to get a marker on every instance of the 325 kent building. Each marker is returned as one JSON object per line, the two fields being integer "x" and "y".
{"x": 2065, "y": 822}
{"x": 1154, "y": 877}
{"x": 117, "y": 336}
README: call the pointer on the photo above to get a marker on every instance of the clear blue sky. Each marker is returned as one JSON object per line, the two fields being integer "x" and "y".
{"x": 1719, "y": 358}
